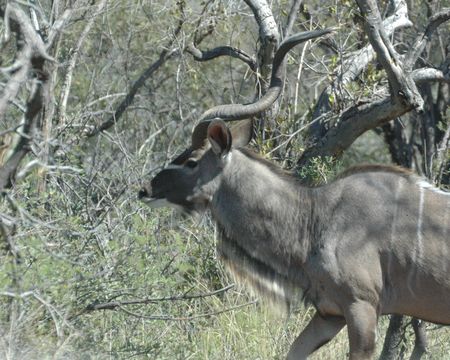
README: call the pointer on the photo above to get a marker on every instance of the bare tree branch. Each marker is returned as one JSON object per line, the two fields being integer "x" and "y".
{"x": 360, "y": 118}
{"x": 352, "y": 123}
{"x": 57, "y": 26}
{"x": 20, "y": 76}
{"x": 353, "y": 66}
{"x": 441, "y": 150}
{"x": 34, "y": 105}
{"x": 430, "y": 74}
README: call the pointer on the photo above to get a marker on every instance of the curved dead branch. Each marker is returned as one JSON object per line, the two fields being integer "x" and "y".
{"x": 360, "y": 118}
{"x": 352, "y": 123}
{"x": 230, "y": 112}
{"x": 429, "y": 74}
{"x": 233, "y": 52}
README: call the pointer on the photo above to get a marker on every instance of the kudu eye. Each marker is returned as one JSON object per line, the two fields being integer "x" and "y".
{"x": 191, "y": 163}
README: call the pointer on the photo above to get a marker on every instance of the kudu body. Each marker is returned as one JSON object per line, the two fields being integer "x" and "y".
{"x": 375, "y": 241}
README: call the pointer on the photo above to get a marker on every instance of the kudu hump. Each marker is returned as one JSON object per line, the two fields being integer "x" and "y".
{"x": 375, "y": 241}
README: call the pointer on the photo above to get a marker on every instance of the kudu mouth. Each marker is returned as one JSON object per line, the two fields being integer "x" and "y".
{"x": 146, "y": 196}
{"x": 143, "y": 194}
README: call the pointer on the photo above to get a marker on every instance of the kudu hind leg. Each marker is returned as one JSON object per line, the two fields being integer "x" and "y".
{"x": 318, "y": 332}
{"x": 361, "y": 318}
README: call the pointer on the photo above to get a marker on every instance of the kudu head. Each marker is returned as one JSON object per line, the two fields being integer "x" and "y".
{"x": 190, "y": 180}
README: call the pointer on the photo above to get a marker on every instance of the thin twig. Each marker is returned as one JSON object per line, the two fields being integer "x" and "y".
{"x": 114, "y": 304}
{"x": 187, "y": 318}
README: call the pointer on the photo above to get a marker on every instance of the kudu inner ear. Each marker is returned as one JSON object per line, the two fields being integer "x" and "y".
{"x": 242, "y": 133}
{"x": 219, "y": 137}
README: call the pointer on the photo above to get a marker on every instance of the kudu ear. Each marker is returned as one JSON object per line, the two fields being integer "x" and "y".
{"x": 242, "y": 133}
{"x": 219, "y": 137}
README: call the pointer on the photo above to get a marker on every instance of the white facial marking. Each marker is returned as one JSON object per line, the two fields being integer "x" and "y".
{"x": 173, "y": 167}
{"x": 159, "y": 203}
{"x": 155, "y": 203}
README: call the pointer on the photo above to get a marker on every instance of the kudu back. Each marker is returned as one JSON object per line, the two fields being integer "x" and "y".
{"x": 375, "y": 241}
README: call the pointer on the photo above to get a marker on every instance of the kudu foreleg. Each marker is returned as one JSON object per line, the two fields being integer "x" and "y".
{"x": 318, "y": 332}
{"x": 361, "y": 318}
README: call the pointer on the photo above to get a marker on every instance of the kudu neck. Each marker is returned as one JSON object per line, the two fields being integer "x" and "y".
{"x": 265, "y": 209}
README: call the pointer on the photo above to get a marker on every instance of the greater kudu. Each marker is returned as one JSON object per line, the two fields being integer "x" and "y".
{"x": 375, "y": 241}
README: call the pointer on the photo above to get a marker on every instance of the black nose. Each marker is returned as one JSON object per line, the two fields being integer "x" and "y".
{"x": 142, "y": 193}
